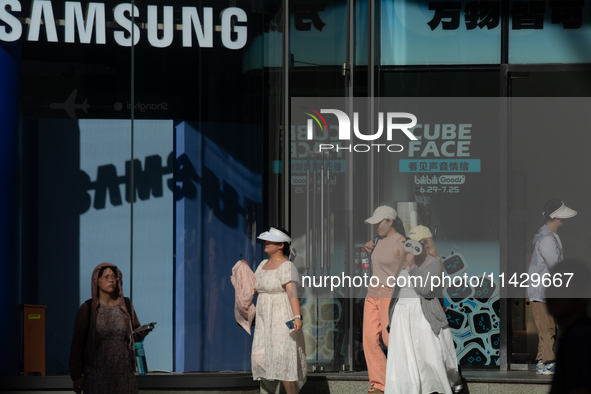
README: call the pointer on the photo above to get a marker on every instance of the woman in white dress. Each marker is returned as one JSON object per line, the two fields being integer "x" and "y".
{"x": 278, "y": 352}
{"x": 421, "y": 354}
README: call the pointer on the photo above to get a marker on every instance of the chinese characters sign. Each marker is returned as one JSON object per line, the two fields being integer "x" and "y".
{"x": 469, "y": 32}
{"x": 524, "y": 14}
{"x": 422, "y": 32}
{"x": 469, "y": 165}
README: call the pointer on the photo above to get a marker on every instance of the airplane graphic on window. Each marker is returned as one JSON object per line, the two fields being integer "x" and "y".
{"x": 70, "y": 105}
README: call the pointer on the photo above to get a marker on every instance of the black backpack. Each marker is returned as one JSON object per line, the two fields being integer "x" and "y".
{"x": 375, "y": 243}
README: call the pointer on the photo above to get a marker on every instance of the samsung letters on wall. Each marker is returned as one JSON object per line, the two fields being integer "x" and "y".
{"x": 195, "y": 22}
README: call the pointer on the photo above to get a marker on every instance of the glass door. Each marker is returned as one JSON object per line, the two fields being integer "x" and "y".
{"x": 320, "y": 67}
{"x": 556, "y": 99}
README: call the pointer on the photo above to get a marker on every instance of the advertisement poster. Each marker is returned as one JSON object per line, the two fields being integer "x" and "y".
{"x": 436, "y": 163}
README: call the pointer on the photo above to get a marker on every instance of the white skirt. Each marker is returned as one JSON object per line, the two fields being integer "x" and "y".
{"x": 419, "y": 362}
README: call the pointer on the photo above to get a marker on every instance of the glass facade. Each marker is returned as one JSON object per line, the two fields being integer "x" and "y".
{"x": 164, "y": 137}
{"x": 146, "y": 156}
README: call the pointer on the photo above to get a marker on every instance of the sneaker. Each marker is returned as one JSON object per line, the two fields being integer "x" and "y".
{"x": 457, "y": 388}
{"x": 540, "y": 367}
{"x": 548, "y": 369}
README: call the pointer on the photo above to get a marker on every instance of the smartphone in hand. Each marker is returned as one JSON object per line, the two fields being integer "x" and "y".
{"x": 289, "y": 324}
{"x": 149, "y": 326}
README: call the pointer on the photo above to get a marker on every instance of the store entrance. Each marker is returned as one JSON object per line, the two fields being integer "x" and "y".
{"x": 319, "y": 41}
{"x": 547, "y": 160}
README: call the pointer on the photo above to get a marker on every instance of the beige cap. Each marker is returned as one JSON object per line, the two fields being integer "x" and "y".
{"x": 419, "y": 232}
{"x": 381, "y": 213}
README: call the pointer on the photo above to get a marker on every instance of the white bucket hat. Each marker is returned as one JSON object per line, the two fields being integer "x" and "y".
{"x": 274, "y": 235}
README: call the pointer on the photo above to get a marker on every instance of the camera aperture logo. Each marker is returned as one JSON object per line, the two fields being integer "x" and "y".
{"x": 344, "y": 130}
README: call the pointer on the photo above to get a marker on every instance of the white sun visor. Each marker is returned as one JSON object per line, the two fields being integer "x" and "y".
{"x": 274, "y": 235}
{"x": 563, "y": 212}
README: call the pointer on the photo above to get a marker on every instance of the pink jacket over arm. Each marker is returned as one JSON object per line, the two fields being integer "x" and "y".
{"x": 243, "y": 281}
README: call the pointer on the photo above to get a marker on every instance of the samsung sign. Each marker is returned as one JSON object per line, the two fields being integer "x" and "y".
{"x": 196, "y": 22}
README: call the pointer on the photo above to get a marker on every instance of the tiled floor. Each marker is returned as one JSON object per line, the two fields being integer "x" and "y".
{"x": 479, "y": 382}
